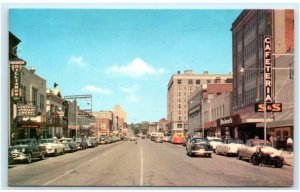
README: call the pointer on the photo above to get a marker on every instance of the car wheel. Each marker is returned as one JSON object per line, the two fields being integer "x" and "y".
{"x": 255, "y": 160}
{"x": 62, "y": 152}
{"x": 239, "y": 157}
{"x": 217, "y": 152}
{"x": 29, "y": 158}
{"x": 42, "y": 156}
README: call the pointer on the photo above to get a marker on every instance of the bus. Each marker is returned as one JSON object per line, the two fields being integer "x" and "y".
{"x": 177, "y": 137}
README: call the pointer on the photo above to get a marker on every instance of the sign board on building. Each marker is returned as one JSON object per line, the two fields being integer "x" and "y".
{"x": 229, "y": 121}
{"x": 16, "y": 92}
{"x": 271, "y": 107}
{"x": 30, "y": 126}
{"x": 26, "y": 110}
{"x": 267, "y": 67}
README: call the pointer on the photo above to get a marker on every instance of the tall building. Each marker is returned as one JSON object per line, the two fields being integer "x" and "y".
{"x": 179, "y": 88}
{"x": 248, "y": 31}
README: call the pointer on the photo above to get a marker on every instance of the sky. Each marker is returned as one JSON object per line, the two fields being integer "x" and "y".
{"x": 123, "y": 56}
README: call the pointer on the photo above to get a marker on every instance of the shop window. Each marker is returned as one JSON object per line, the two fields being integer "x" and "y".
{"x": 285, "y": 134}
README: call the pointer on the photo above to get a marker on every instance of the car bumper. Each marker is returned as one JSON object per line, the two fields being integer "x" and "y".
{"x": 201, "y": 152}
{"x": 17, "y": 157}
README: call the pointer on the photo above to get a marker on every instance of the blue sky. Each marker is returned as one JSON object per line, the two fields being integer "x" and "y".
{"x": 123, "y": 57}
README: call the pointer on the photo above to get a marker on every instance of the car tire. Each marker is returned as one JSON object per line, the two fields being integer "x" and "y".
{"x": 209, "y": 155}
{"x": 239, "y": 157}
{"x": 217, "y": 152}
{"x": 62, "y": 151}
{"x": 42, "y": 157}
{"x": 254, "y": 160}
{"x": 29, "y": 158}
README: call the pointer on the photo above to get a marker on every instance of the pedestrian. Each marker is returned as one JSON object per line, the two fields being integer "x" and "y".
{"x": 275, "y": 142}
{"x": 271, "y": 139}
{"x": 289, "y": 143}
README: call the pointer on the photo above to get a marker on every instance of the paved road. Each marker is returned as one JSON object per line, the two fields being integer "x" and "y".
{"x": 145, "y": 164}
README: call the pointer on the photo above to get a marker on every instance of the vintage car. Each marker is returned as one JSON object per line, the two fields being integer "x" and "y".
{"x": 246, "y": 151}
{"x": 53, "y": 146}
{"x": 25, "y": 150}
{"x": 198, "y": 146}
{"x": 159, "y": 139}
{"x": 102, "y": 141}
{"x": 167, "y": 138}
{"x": 229, "y": 147}
{"x": 69, "y": 144}
{"x": 81, "y": 143}
{"x": 91, "y": 142}
{"x": 214, "y": 141}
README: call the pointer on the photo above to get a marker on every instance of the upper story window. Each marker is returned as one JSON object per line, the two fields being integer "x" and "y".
{"x": 34, "y": 96}
{"x": 198, "y": 82}
{"x": 190, "y": 81}
{"x": 179, "y": 81}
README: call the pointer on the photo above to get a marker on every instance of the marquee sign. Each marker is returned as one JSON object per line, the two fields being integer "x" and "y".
{"x": 267, "y": 68}
{"x": 16, "y": 67}
{"x": 271, "y": 107}
{"x": 26, "y": 110}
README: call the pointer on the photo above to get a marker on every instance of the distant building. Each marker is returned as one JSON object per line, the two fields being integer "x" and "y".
{"x": 180, "y": 87}
{"x": 163, "y": 126}
{"x": 119, "y": 119}
{"x": 104, "y": 122}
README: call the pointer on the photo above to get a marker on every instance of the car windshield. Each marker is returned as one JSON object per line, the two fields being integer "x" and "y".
{"x": 236, "y": 141}
{"x": 216, "y": 140}
{"x": 200, "y": 141}
{"x": 47, "y": 141}
{"x": 261, "y": 144}
{"x": 23, "y": 142}
{"x": 65, "y": 140}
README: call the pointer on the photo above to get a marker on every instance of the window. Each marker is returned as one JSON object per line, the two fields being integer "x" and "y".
{"x": 179, "y": 106}
{"x": 24, "y": 95}
{"x": 34, "y": 96}
{"x": 190, "y": 81}
{"x": 197, "y": 82}
{"x": 179, "y": 125}
{"x": 179, "y": 118}
{"x": 42, "y": 101}
{"x": 179, "y": 81}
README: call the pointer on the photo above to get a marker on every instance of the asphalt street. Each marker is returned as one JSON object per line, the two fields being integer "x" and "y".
{"x": 144, "y": 164}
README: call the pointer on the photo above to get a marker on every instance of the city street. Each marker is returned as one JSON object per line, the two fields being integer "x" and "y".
{"x": 144, "y": 164}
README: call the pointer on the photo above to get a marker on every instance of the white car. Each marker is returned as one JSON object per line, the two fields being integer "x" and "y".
{"x": 53, "y": 146}
{"x": 214, "y": 141}
{"x": 246, "y": 151}
{"x": 229, "y": 147}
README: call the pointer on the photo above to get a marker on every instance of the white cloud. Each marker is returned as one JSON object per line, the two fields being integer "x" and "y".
{"x": 131, "y": 93}
{"x": 77, "y": 60}
{"x": 93, "y": 88}
{"x": 136, "y": 68}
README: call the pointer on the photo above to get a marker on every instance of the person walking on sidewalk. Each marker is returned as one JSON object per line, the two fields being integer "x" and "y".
{"x": 289, "y": 143}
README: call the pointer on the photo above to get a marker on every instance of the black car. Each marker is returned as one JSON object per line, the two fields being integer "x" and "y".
{"x": 198, "y": 146}
{"x": 25, "y": 150}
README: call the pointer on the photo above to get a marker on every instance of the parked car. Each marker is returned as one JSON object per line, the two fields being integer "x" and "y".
{"x": 25, "y": 150}
{"x": 81, "y": 144}
{"x": 69, "y": 144}
{"x": 246, "y": 151}
{"x": 133, "y": 138}
{"x": 152, "y": 138}
{"x": 167, "y": 139}
{"x": 158, "y": 140}
{"x": 102, "y": 141}
{"x": 198, "y": 146}
{"x": 53, "y": 146}
{"x": 143, "y": 136}
{"x": 229, "y": 147}
{"x": 214, "y": 141}
{"x": 91, "y": 142}
{"x": 108, "y": 140}
{"x": 96, "y": 141}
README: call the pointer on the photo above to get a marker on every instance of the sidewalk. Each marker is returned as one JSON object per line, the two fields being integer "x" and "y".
{"x": 288, "y": 158}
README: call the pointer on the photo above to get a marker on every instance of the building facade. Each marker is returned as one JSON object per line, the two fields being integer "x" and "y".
{"x": 205, "y": 104}
{"x": 119, "y": 119}
{"x": 248, "y": 31}
{"x": 180, "y": 87}
{"x": 103, "y": 122}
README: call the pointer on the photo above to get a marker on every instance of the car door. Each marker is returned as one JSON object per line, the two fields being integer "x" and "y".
{"x": 35, "y": 148}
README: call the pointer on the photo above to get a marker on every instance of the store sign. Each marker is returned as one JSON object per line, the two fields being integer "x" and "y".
{"x": 228, "y": 121}
{"x": 26, "y": 110}
{"x": 267, "y": 68}
{"x": 30, "y": 126}
{"x": 271, "y": 107}
{"x": 16, "y": 92}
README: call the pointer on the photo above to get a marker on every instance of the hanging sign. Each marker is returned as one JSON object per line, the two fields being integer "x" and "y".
{"x": 267, "y": 68}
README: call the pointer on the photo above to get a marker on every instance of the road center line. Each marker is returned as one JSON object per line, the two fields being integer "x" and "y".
{"x": 142, "y": 162}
